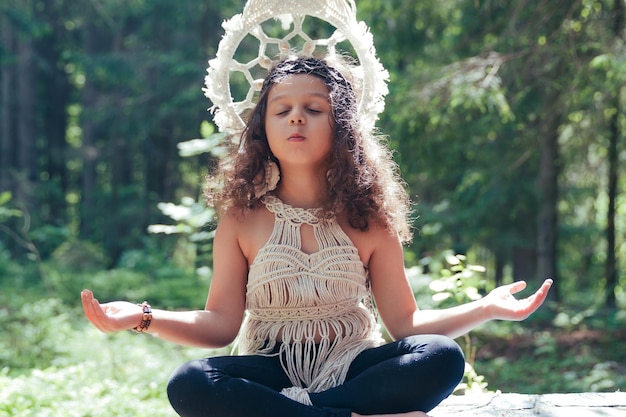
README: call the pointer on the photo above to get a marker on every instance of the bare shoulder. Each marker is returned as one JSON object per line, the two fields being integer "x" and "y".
{"x": 371, "y": 240}
{"x": 241, "y": 219}
{"x": 251, "y": 228}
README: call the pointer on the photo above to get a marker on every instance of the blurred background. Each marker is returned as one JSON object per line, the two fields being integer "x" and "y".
{"x": 507, "y": 121}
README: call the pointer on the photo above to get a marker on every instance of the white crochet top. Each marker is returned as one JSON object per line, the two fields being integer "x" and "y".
{"x": 314, "y": 309}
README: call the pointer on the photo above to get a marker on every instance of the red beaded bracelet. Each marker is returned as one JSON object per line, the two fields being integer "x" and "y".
{"x": 146, "y": 319}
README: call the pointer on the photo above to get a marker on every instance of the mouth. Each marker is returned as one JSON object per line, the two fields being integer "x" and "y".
{"x": 296, "y": 136}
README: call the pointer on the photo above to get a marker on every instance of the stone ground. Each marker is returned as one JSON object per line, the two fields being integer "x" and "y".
{"x": 544, "y": 405}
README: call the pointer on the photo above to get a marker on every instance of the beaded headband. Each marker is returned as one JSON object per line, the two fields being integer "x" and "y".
{"x": 368, "y": 76}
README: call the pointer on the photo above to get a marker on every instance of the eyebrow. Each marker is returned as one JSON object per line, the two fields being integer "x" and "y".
{"x": 324, "y": 96}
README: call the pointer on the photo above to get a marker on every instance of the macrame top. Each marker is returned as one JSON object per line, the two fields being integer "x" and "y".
{"x": 313, "y": 309}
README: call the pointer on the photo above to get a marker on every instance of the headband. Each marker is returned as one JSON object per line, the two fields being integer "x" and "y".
{"x": 368, "y": 76}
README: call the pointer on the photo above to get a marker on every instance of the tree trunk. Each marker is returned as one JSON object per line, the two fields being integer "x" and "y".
{"x": 613, "y": 177}
{"x": 7, "y": 107}
{"x": 118, "y": 222}
{"x": 499, "y": 264}
{"x": 524, "y": 262}
{"x": 611, "y": 262}
{"x": 55, "y": 89}
{"x": 547, "y": 226}
{"x": 26, "y": 128}
{"x": 88, "y": 203}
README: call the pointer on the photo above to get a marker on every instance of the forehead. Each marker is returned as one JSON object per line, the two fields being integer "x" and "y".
{"x": 298, "y": 85}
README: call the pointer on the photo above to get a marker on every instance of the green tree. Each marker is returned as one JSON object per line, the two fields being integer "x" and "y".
{"x": 482, "y": 94}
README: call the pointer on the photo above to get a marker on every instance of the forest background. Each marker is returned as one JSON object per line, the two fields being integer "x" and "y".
{"x": 506, "y": 118}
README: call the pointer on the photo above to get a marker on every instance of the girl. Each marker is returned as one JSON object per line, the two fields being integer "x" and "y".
{"x": 313, "y": 217}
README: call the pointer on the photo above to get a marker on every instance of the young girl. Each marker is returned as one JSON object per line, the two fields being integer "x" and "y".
{"x": 313, "y": 217}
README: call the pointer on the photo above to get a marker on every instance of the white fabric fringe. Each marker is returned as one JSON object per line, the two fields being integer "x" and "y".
{"x": 313, "y": 306}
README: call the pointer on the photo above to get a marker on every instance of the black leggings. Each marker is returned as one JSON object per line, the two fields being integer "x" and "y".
{"x": 412, "y": 374}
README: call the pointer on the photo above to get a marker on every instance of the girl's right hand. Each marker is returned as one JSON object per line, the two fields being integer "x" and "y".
{"x": 110, "y": 317}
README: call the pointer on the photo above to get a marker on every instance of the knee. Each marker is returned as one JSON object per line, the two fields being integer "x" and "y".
{"x": 451, "y": 355}
{"x": 185, "y": 385}
{"x": 187, "y": 375}
{"x": 440, "y": 349}
{"x": 449, "y": 347}
{"x": 435, "y": 343}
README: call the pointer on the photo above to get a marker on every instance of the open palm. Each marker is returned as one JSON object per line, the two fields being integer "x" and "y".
{"x": 503, "y": 305}
{"x": 110, "y": 317}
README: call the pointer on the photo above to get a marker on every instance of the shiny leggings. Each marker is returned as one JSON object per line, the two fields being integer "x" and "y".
{"x": 412, "y": 374}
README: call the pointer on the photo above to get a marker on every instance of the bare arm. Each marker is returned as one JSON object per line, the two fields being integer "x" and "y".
{"x": 402, "y": 317}
{"x": 215, "y": 326}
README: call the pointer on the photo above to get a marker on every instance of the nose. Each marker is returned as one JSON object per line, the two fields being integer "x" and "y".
{"x": 296, "y": 118}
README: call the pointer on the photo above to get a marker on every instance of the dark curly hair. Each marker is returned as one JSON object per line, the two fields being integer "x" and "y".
{"x": 362, "y": 179}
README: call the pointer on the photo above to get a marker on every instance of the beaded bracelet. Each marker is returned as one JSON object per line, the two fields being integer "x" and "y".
{"x": 146, "y": 319}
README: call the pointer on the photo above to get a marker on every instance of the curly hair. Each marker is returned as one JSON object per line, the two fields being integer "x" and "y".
{"x": 362, "y": 179}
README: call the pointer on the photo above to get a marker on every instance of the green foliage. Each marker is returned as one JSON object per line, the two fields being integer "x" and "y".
{"x": 79, "y": 256}
{"x": 168, "y": 286}
{"x": 475, "y": 87}
{"x": 52, "y": 358}
{"x": 467, "y": 109}
{"x": 34, "y": 333}
{"x": 458, "y": 282}
{"x": 576, "y": 350}
{"x": 472, "y": 96}
{"x": 7, "y": 212}
{"x": 540, "y": 362}
{"x": 192, "y": 218}
{"x": 211, "y": 142}
{"x": 52, "y": 364}
{"x": 446, "y": 280}
{"x": 47, "y": 238}
{"x": 18, "y": 277}
{"x": 472, "y": 382}
{"x": 19, "y": 235}
{"x": 131, "y": 384}
{"x": 5, "y": 263}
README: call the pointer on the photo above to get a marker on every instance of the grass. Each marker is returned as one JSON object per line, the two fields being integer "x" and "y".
{"x": 54, "y": 364}
{"x": 122, "y": 374}
{"x": 543, "y": 358}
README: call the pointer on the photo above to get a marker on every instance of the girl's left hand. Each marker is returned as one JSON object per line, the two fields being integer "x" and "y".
{"x": 502, "y": 305}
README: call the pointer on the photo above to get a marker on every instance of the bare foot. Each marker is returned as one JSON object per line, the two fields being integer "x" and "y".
{"x": 409, "y": 414}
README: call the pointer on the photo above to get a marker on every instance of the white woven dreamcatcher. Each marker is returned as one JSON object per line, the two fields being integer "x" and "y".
{"x": 369, "y": 77}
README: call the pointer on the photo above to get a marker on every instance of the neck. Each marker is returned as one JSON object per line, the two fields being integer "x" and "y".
{"x": 300, "y": 189}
